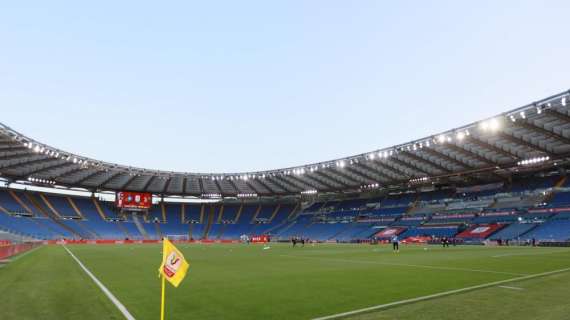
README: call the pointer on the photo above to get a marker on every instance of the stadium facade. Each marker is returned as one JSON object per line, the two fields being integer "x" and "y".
{"x": 499, "y": 178}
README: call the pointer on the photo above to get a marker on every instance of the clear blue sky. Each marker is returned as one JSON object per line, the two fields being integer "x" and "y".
{"x": 247, "y": 85}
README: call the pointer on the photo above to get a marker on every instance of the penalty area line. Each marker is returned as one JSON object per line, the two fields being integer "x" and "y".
{"x": 106, "y": 291}
{"x": 438, "y": 295}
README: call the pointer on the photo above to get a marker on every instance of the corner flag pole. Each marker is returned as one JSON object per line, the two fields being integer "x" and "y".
{"x": 162, "y": 299}
{"x": 173, "y": 268}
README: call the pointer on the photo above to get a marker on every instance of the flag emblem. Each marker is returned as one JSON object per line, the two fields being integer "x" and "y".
{"x": 174, "y": 266}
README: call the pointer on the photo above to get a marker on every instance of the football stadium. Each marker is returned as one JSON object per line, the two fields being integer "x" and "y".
{"x": 467, "y": 222}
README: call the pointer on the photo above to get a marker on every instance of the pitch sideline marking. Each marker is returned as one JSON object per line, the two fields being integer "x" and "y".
{"x": 528, "y": 253}
{"x": 408, "y": 265}
{"x": 512, "y": 288}
{"x": 106, "y": 291}
{"x": 438, "y": 295}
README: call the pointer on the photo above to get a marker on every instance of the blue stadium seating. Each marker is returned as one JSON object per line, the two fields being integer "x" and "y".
{"x": 436, "y": 232}
{"x": 560, "y": 198}
{"x": 59, "y": 231}
{"x": 495, "y": 219}
{"x": 9, "y": 203}
{"x": 343, "y": 220}
{"x": 105, "y": 229}
{"x": 174, "y": 227}
{"x": 514, "y": 231}
{"x": 192, "y": 212}
{"x": 62, "y": 206}
{"x": 553, "y": 230}
{"x": 407, "y": 223}
{"x": 26, "y": 226}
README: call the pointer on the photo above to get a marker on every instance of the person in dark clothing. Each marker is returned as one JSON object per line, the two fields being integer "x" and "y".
{"x": 395, "y": 244}
{"x": 302, "y": 242}
{"x": 294, "y": 241}
{"x": 445, "y": 242}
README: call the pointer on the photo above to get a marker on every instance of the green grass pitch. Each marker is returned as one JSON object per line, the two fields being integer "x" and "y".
{"x": 247, "y": 282}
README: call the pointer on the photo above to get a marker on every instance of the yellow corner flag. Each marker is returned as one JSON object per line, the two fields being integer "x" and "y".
{"x": 173, "y": 269}
{"x": 174, "y": 266}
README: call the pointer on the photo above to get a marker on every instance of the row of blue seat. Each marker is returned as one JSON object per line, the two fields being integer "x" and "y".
{"x": 37, "y": 215}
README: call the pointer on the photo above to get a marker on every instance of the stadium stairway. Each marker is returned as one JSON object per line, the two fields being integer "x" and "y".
{"x": 211, "y": 215}
{"x": 41, "y": 218}
{"x": 140, "y": 227}
{"x": 220, "y": 214}
{"x": 238, "y": 215}
{"x": 560, "y": 182}
{"x": 126, "y": 232}
{"x": 82, "y": 223}
{"x": 99, "y": 209}
{"x": 157, "y": 230}
{"x": 493, "y": 204}
{"x": 257, "y": 211}
{"x": 75, "y": 208}
{"x": 294, "y": 212}
{"x": 550, "y": 195}
{"x": 297, "y": 229}
{"x": 11, "y": 221}
{"x": 283, "y": 224}
{"x": 285, "y": 228}
{"x": 20, "y": 202}
{"x": 44, "y": 223}
{"x": 197, "y": 231}
{"x": 50, "y": 206}
{"x": 92, "y": 234}
{"x": 514, "y": 231}
{"x": 123, "y": 229}
{"x": 46, "y": 213}
{"x": 274, "y": 213}
{"x": 163, "y": 212}
{"x": 222, "y": 229}
{"x": 202, "y": 208}
{"x": 413, "y": 205}
{"x": 132, "y": 230}
{"x": 342, "y": 230}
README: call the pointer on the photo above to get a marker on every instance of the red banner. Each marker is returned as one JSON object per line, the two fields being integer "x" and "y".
{"x": 416, "y": 240}
{"x": 260, "y": 239}
{"x": 390, "y": 232}
{"x": 480, "y": 231}
{"x": 7, "y": 251}
{"x": 103, "y": 241}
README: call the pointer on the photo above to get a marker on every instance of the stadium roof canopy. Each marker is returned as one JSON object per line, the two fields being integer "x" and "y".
{"x": 531, "y": 137}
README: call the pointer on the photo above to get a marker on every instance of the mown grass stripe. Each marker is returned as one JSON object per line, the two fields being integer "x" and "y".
{"x": 408, "y": 265}
{"x": 106, "y": 291}
{"x": 437, "y": 295}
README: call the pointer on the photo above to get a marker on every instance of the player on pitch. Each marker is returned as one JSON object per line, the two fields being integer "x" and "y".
{"x": 395, "y": 243}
